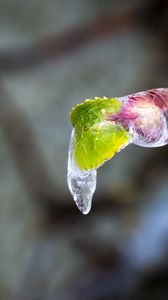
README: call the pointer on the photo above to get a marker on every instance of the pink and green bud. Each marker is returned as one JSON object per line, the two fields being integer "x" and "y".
{"x": 104, "y": 126}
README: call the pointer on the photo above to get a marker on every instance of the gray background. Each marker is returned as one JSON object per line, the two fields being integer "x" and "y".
{"x": 51, "y": 59}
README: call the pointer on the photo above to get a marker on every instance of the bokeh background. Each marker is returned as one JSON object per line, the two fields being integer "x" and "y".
{"x": 54, "y": 54}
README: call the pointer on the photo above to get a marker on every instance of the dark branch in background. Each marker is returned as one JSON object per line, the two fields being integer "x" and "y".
{"x": 154, "y": 14}
{"x": 67, "y": 42}
{"x": 60, "y": 45}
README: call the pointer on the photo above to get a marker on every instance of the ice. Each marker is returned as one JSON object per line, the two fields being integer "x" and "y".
{"x": 81, "y": 183}
{"x": 152, "y": 130}
{"x": 143, "y": 115}
{"x": 150, "y": 127}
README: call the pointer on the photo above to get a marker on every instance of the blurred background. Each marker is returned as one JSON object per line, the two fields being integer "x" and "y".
{"x": 54, "y": 54}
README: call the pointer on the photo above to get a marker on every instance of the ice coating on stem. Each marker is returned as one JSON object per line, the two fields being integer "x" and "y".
{"x": 104, "y": 126}
{"x": 81, "y": 183}
{"x": 145, "y": 116}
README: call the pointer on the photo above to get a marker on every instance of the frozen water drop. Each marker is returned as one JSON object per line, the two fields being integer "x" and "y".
{"x": 81, "y": 183}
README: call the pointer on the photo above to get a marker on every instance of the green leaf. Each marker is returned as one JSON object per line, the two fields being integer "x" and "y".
{"x": 97, "y": 139}
{"x": 99, "y": 144}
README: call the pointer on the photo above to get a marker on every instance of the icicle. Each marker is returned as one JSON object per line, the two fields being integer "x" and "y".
{"x": 82, "y": 184}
